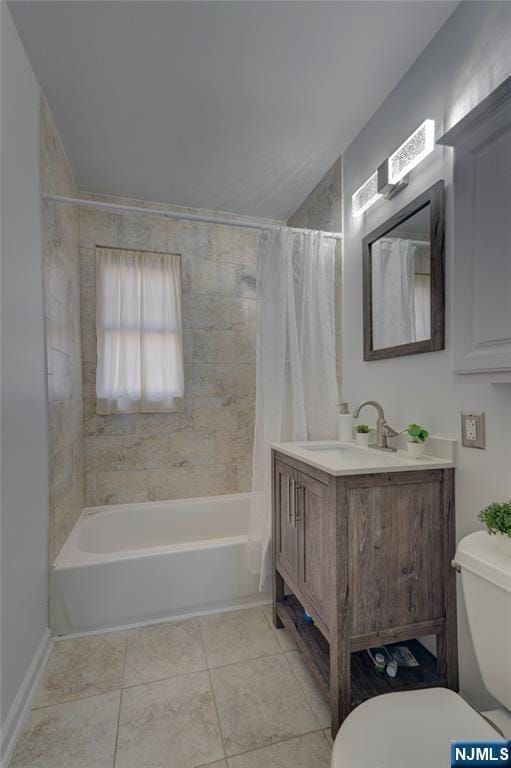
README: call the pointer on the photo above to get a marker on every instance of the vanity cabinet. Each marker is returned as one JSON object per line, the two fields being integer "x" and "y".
{"x": 368, "y": 556}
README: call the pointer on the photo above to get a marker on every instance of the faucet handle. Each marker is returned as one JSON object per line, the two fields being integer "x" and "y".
{"x": 388, "y": 430}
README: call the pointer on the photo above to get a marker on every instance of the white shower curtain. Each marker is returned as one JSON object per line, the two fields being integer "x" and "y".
{"x": 296, "y": 386}
{"x": 393, "y": 292}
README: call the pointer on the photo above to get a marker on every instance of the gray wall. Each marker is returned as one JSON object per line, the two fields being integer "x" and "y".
{"x": 468, "y": 58}
{"x": 24, "y": 449}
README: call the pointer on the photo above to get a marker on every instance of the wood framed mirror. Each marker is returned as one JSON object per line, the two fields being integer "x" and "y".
{"x": 404, "y": 280}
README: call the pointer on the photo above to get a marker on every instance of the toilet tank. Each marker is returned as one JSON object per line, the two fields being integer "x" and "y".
{"x": 486, "y": 579}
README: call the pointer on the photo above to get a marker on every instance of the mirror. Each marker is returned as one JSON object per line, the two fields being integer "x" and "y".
{"x": 404, "y": 280}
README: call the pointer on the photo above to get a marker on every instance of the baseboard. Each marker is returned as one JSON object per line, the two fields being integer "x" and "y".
{"x": 20, "y": 708}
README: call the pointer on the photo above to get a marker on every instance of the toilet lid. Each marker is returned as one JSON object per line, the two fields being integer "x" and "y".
{"x": 412, "y": 729}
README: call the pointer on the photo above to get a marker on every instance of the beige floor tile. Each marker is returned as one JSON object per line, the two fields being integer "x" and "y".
{"x": 217, "y": 764}
{"x": 310, "y": 751}
{"x": 85, "y": 666}
{"x": 169, "y": 724}
{"x": 163, "y": 650}
{"x": 313, "y": 693}
{"x": 259, "y": 703}
{"x": 77, "y": 734}
{"x": 327, "y": 733}
{"x": 284, "y": 639}
{"x": 237, "y": 636}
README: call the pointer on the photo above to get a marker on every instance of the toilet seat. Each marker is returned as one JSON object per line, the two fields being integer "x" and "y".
{"x": 411, "y": 729}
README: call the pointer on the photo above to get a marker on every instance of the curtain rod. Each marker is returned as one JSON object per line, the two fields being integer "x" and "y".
{"x": 173, "y": 214}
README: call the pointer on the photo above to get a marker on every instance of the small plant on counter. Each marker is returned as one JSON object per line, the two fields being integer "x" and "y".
{"x": 363, "y": 434}
{"x": 416, "y": 433}
{"x": 417, "y": 437}
{"x": 497, "y": 519}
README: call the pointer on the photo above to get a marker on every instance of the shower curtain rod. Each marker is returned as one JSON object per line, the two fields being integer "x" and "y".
{"x": 173, "y": 214}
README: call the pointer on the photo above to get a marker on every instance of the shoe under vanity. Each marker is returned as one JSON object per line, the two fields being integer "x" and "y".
{"x": 363, "y": 542}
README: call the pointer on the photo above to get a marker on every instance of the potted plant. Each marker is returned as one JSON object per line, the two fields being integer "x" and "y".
{"x": 497, "y": 519}
{"x": 363, "y": 434}
{"x": 417, "y": 437}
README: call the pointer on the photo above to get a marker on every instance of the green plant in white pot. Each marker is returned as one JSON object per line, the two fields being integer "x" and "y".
{"x": 363, "y": 434}
{"x": 417, "y": 437}
{"x": 497, "y": 519}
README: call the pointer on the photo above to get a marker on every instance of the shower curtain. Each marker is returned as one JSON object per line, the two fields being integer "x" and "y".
{"x": 296, "y": 386}
{"x": 393, "y": 294}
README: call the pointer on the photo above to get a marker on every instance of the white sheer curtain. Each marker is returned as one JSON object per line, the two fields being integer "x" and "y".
{"x": 138, "y": 320}
{"x": 422, "y": 263}
{"x": 393, "y": 292}
{"x": 296, "y": 386}
{"x": 422, "y": 307}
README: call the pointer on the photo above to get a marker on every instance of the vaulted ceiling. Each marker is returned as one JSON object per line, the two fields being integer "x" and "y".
{"x": 234, "y": 106}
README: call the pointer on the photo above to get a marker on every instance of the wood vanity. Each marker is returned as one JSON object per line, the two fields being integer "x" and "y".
{"x": 368, "y": 555}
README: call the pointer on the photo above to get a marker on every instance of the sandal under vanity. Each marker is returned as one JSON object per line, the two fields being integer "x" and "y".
{"x": 363, "y": 541}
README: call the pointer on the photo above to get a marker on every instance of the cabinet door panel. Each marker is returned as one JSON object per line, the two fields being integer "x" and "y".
{"x": 313, "y": 540}
{"x": 482, "y": 232}
{"x": 395, "y": 535}
{"x": 286, "y": 528}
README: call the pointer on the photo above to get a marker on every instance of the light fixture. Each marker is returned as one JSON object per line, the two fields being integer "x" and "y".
{"x": 365, "y": 195}
{"x": 411, "y": 152}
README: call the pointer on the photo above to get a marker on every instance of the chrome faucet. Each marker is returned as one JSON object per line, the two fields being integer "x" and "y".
{"x": 383, "y": 430}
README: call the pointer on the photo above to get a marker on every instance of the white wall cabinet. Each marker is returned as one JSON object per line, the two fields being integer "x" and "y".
{"x": 481, "y": 325}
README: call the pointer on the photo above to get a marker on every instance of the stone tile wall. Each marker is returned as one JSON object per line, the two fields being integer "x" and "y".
{"x": 61, "y": 258}
{"x": 206, "y": 448}
{"x": 322, "y": 209}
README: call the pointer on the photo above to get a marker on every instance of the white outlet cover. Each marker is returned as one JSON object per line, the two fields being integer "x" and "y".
{"x": 473, "y": 433}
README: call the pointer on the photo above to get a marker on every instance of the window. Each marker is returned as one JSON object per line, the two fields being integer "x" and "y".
{"x": 138, "y": 320}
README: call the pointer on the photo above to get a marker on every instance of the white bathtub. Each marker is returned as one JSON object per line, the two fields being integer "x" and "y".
{"x": 134, "y": 563}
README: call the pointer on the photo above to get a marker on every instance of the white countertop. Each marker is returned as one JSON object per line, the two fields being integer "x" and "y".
{"x": 338, "y": 459}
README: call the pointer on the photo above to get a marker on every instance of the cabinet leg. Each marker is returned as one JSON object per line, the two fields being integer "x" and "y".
{"x": 447, "y": 657}
{"x": 447, "y": 641}
{"x": 278, "y": 596}
{"x": 340, "y": 682}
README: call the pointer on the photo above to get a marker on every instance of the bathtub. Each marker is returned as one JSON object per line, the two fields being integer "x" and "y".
{"x": 132, "y": 564}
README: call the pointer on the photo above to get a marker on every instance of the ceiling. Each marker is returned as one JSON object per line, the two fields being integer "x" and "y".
{"x": 233, "y": 106}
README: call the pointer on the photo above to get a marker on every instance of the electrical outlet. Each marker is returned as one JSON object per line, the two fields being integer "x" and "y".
{"x": 473, "y": 429}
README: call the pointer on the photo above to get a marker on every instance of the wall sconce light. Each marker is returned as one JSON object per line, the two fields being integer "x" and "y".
{"x": 411, "y": 152}
{"x": 365, "y": 195}
{"x": 392, "y": 174}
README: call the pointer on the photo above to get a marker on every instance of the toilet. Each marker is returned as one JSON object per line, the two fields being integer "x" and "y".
{"x": 414, "y": 729}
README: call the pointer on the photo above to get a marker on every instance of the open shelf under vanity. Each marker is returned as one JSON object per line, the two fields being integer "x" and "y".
{"x": 366, "y": 682}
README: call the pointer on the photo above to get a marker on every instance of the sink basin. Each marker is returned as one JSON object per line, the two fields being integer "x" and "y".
{"x": 349, "y": 455}
{"x": 333, "y": 447}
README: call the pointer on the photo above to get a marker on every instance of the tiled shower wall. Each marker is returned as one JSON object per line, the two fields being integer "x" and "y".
{"x": 61, "y": 261}
{"x": 206, "y": 448}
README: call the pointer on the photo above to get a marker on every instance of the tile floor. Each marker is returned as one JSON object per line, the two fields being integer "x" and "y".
{"x": 224, "y": 691}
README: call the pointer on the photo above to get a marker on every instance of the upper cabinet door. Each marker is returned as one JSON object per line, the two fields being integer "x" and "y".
{"x": 482, "y": 236}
